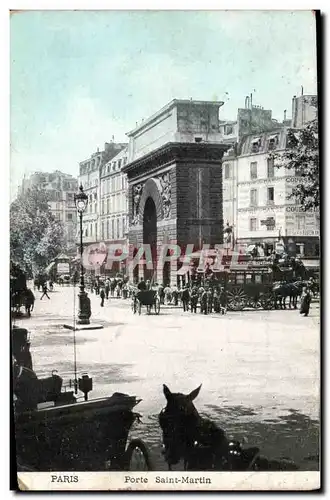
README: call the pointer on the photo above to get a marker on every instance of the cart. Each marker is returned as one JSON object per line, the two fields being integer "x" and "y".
{"x": 148, "y": 298}
{"x": 86, "y": 436}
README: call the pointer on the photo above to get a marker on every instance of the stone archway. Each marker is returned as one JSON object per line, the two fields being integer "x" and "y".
{"x": 150, "y": 233}
{"x": 150, "y": 212}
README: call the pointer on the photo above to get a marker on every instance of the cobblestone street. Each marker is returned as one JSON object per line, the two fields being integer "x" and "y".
{"x": 259, "y": 369}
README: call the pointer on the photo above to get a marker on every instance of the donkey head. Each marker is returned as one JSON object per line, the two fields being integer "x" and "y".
{"x": 178, "y": 421}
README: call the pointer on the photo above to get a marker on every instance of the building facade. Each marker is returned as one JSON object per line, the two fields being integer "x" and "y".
{"x": 114, "y": 205}
{"x": 60, "y": 188}
{"x": 90, "y": 177}
{"x": 175, "y": 183}
{"x": 257, "y": 198}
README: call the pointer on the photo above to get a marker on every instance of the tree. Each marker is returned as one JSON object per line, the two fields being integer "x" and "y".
{"x": 35, "y": 236}
{"x": 302, "y": 158}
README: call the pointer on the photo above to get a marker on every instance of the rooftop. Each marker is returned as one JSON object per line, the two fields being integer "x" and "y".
{"x": 169, "y": 106}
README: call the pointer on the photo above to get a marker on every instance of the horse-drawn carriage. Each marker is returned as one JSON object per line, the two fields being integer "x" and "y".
{"x": 260, "y": 284}
{"x": 148, "y": 298}
{"x": 56, "y": 431}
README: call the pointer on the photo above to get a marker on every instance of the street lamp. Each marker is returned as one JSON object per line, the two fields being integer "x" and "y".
{"x": 84, "y": 312}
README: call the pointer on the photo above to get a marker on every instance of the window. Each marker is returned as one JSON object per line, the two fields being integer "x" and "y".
{"x": 108, "y": 229}
{"x": 270, "y": 168}
{"x": 239, "y": 279}
{"x": 227, "y": 171}
{"x": 228, "y": 129}
{"x": 95, "y": 229}
{"x": 253, "y": 197}
{"x": 301, "y": 220}
{"x": 113, "y": 228}
{"x": 108, "y": 205}
{"x": 272, "y": 142}
{"x": 253, "y": 224}
{"x": 255, "y": 145}
{"x": 253, "y": 170}
{"x": 270, "y": 196}
{"x": 119, "y": 164}
{"x": 257, "y": 278}
{"x": 124, "y": 226}
{"x": 69, "y": 217}
{"x": 117, "y": 232}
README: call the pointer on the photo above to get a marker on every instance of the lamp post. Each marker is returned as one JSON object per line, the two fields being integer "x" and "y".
{"x": 84, "y": 312}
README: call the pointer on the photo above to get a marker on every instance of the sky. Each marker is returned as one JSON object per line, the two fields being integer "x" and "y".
{"x": 78, "y": 78}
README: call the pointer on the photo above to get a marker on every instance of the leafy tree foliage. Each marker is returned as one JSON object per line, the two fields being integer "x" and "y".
{"x": 302, "y": 158}
{"x": 35, "y": 236}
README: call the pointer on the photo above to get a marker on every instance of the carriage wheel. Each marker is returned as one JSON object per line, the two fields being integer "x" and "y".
{"x": 254, "y": 302}
{"x": 267, "y": 301}
{"x": 157, "y": 305}
{"x": 237, "y": 299}
{"x": 137, "y": 456}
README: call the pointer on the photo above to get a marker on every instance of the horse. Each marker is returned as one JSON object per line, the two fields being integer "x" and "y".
{"x": 282, "y": 290}
{"x": 186, "y": 435}
{"x": 201, "y": 444}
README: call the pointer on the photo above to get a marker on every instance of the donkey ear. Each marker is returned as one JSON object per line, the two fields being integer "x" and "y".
{"x": 193, "y": 395}
{"x": 167, "y": 392}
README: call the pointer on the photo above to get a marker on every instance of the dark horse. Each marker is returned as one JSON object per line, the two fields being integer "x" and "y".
{"x": 201, "y": 444}
{"x": 282, "y": 290}
{"x": 197, "y": 440}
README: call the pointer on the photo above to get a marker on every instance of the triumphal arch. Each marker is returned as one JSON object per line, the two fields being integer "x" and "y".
{"x": 175, "y": 184}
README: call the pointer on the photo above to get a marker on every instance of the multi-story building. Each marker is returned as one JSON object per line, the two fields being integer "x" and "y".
{"x": 89, "y": 176}
{"x": 60, "y": 188}
{"x": 256, "y": 194}
{"x": 114, "y": 203}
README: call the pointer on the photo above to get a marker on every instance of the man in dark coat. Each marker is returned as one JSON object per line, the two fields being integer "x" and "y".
{"x": 194, "y": 300}
{"x": 185, "y": 296}
{"x": 306, "y": 299}
{"x": 223, "y": 301}
{"x": 44, "y": 291}
{"x": 142, "y": 285}
{"x": 102, "y": 296}
{"x": 203, "y": 300}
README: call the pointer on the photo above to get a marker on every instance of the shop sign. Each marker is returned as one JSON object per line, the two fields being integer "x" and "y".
{"x": 300, "y": 208}
{"x": 305, "y": 232}
{"x": 63, "y": 268}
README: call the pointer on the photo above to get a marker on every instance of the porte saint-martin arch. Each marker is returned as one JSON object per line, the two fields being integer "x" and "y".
{"x": 175, "y": 184}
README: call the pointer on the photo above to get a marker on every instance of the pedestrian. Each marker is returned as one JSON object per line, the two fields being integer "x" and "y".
{"x": 107, "y": 288}
{"x": 142, "y": 285}
{"x": 175, "y": 295}
{"x": 203, "y": 301}
{"x": 97, "y": 286}
{"x": 51, "y": 286}
{"x": 44, "y": 291}
{"x": 161, "y": 294}
{"x": 306, "y": 299}
{"x": 102, "y": 296}
{"x": 168, "y": 295}
{"x": 185, "y": 296}
{"x": 194, "y": 300}
{"x": 223, "y": 300}
{"x": 216, "y": 301}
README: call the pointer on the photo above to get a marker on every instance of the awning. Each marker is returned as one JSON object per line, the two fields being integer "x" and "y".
{"x": 49, "y": 267}
{"x": 254, "y": 141}
{"x": 272, "y": 137}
